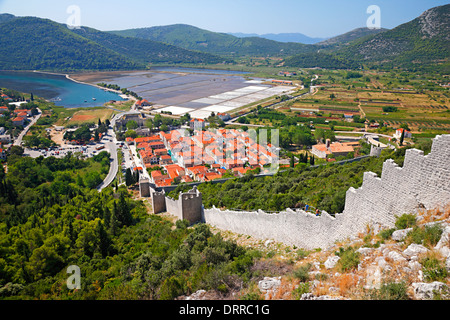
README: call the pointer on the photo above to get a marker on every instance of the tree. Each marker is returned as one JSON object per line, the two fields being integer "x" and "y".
{"x": 402, "y": 138}
{"x": 123, "y": 213}
{"x": 128, "y": 177}
{"x": 132, "y": 124}
{"x": 92, "y": 179}
{"x": 96, "y": 136}
{"x": 292, "y": 163}
{"x": 149, "y": 124}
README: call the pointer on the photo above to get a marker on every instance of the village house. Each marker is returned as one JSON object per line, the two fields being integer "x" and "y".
{"x": 337, "y": 149}
{"x": 165, "y": 160}
{"x": 156, "y": 145}
{"x": 160, "y": 152}
{"x": 143, "y": 103}
{"x": 18, "y": 121}
{"x": 224, "y": 116}
{"x": 398, "y": 134}
{"x": 197, "y": 124}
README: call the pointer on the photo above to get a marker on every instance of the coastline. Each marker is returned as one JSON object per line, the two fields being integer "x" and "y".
{"x": 69, "y": 77}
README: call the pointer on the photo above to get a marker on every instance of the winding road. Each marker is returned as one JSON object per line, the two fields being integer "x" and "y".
{"x": 18, "y": 141}
{"x": 112, "y": 148}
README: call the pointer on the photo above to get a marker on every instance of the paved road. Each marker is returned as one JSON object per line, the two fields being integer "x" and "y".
{"x": 114, "y": 167}
{"x": 112, "y": 148}
{"x": 18, "y": 141}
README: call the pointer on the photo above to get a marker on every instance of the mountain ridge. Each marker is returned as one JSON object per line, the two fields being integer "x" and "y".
{"x": 42, "y": 44}
{"x": 295, "y": 37}
{"x": 194, "y": 38}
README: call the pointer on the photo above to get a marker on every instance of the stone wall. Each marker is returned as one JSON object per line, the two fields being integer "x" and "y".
{"x": 188, "y": 206}
{"x": 144, "y": 188}
{"x": 423, "y": 182}
{"x": 158, "y": 201}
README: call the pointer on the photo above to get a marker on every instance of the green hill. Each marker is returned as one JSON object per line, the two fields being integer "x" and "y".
{"x": 145, "y": 51}
{"x": 421, "y": 43}
{"x": 322, "y": 60}
{"x": 193, "y": 38}
{"x": 348, "y": 37}
{"x": 30, "y": 43}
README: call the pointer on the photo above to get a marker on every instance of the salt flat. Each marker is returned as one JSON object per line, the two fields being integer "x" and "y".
{"x": 198, "y": 93}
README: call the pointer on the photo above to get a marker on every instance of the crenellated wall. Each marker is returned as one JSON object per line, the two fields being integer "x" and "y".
{"x": 422, "y": 182}
{"x": 188, "y": 206}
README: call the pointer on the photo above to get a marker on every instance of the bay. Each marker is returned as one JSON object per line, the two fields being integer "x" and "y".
{"x": 57, "y": 88}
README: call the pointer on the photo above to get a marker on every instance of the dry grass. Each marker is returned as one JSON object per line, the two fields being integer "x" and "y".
{"x": 86, "y": 116}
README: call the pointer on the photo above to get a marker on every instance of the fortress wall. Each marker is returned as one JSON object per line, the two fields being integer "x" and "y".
{"x": 188, "y": 206}
{"x": 158, "y": 201}
{"x": 174, "y": 207}
{"x": 423, "y": 182}
{"x": 192, "y": 204}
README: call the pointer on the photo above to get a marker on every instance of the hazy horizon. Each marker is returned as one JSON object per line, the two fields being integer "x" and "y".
{"x": 321, "y": 19}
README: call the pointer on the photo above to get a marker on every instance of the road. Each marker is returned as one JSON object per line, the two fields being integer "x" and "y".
{"x": 114, "y": 166}
{"x": 18, "y": 141}
{"x": 111, "y": 146}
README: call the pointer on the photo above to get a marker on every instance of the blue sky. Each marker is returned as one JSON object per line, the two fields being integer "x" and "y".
{"x": 315, "y": 18}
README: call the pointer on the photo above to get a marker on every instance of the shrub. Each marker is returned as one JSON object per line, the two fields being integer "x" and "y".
{"x": 301, "y": 289}
{"x": 433, "y": 269}
{"x": 301, "y": 254}
{"x": 393, "y": 291}
{"x": 302, "y": 273}
{"x": 321, "y": 276}
{"x": 349, "y": 259}
{"x": 405, "y": 221}
{"x": 386, "y": 233}
{"x": 430, "y": 235}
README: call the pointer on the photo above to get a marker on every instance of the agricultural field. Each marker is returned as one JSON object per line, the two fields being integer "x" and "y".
{"x": 391, "y": 99}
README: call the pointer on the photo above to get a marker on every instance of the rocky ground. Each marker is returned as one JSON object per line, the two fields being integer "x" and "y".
{"x": 410, "y": 263}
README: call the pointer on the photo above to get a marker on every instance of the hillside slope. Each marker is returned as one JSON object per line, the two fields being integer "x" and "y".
{"x": 424, "y": 40}
{"x": 421, "y": 43}
{"x": 145, "y": 51}
{"x": 348, "y": 37}
{"x": 41, "y": 44}
{"x": 282, "y": 37}
{"x": 193, "y": 38}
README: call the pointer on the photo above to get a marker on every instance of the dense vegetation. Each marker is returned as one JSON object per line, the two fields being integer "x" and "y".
{"x": 50, "y": 219}
{"x": 146, "y": 51}
{"x": 420, "y": 43}
{"x": 40, "y": 44}
{"x": 323, "y": 187}
{"x": 193, "y": 38}
{"x": 322, "y": 60}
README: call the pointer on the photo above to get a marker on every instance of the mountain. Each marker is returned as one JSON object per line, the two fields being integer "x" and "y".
{"x": 422, "y": 41}
{"x": 346, "y": 38}
{"x": 193, "y": 38}
{"x": 38, "y": 44}
{"x": 5, "y": 17}
{"x": 282, "y": 37}
{"x": 41, "y": 44}
{"x": 321, "y": 60}
{"x": 145, "y": 51}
